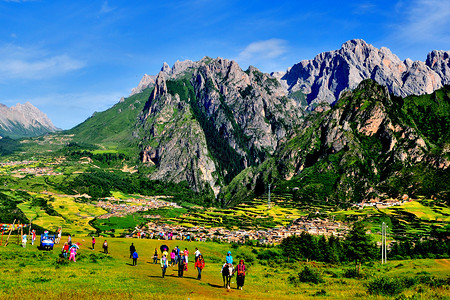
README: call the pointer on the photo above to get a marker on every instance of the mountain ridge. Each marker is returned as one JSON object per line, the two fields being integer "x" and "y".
{"x": 24, "y": 120}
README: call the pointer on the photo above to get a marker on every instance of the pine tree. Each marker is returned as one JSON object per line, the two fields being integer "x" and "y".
{"x": 359, "y": 245}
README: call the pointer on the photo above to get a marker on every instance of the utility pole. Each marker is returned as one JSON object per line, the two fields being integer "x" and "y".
{"x": 383, "y": 244}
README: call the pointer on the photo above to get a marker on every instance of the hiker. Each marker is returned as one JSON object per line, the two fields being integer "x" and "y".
{"x": 135, "y": 257}
{"x": 164, "y": 265}
{"x": 186, "y": 258}
{"x": 240, "y": 278}
{"x": 172, "y": 258}
{"x": 24, "y": 240}
{"x": 33, "y": 236}
{"x": 73, "y": 252}
{"x": 199, "y": 264}
{"x": 181, "y": 263}
{"x": 59, "y": 234}
{"x": 132, "y": 250}
{"x": 105, "y": 247}
{"x": 69, "y": 240}
{"x": 93, "y": 243}
{"x": 197, "y": 254}
{"x": 155, "y": 256}
{"x": 177, "y": 254}
{"x": 65, "y": 250}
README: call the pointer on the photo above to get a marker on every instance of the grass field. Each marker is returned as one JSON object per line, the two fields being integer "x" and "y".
{"x": 98, "y": 276}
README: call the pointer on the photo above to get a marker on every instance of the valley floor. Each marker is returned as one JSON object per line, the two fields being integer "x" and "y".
{"x": 37, "y": 274}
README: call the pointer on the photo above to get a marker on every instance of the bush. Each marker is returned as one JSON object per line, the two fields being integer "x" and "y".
{"x": 351, "y": 273}
{"x": 385, "y": 286}
{"x": 310, "y": 275}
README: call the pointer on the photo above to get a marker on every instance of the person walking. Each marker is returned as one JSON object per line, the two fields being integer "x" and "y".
{"x": 24, "y": 240}
{"x": 73, "y": 252}
{"x": 240, "y": 278}
{"x": 132, "y": 250}
{"x": 155, "y": 256}
{"x": 197, "y": 254}
{"x": 65, "y": 250}
{"x": 105, "y": 247}
{"x": 199, "y": 264}
{"x": 135, "y": 257}
{"x": 186, "y": 258}
{"x": 93, "y": 243}
{"x": 172, "y": 258}
{"x": 164, "y": 265}
{"x": 181, "y": 263}
{"x": 33, "y": 236}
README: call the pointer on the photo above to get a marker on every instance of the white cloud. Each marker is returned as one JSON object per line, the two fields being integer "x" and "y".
{"x": 263, "y": 53}
{"x": 33, "y": 63}
{"x": 106, "y": 8}
{"x": 268, "y": 49}
{"x": 425, "y": 21}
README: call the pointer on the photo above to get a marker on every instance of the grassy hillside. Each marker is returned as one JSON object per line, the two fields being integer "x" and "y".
{"x": 99, "y": 276}
{"x": 114, "y": 127}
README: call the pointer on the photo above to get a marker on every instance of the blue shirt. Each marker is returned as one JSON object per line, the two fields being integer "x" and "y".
{"x": 229, "y": 259}
{"x": 135, "y": 255}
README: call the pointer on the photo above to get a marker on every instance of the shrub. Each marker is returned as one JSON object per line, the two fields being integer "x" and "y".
{"x": 351, "y": 273}
{"x": 385, "y": 286}
{"x": 320, "y": 293}
{"x": 310, "y": 275}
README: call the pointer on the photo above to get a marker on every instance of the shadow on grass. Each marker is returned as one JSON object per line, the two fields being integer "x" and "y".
{"x": 216, "y": 286}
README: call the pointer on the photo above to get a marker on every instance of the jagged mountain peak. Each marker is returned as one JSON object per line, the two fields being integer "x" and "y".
{"x": 329, "y": 73}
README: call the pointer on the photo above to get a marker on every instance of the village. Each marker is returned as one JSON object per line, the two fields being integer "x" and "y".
{"x": 263, "y": 236}
{"x": 120, "y": 208}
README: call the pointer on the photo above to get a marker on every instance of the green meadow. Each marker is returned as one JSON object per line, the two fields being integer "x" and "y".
{"x": 43, "y": 275}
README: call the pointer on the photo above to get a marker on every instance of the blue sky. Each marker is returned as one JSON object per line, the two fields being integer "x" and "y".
{"x": 71, "y": 58}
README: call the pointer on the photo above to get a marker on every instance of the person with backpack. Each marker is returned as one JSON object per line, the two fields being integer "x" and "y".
{"x": 135, "y": 257}
{"x": 181, "y": 263}
{"x": 164, "y": 265}
{"x": 199, "y": 264}
{"x": 240, "y": 278}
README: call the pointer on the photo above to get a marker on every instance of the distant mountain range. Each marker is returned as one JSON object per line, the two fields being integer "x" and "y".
{"x": 24, "y": 120}
{"x": 228, "y": 132}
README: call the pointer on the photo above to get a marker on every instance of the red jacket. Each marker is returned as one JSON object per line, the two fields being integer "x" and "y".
{"x": 200, "y": 264}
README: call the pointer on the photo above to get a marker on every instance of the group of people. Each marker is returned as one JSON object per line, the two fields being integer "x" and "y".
{"x": 180, "y": 258}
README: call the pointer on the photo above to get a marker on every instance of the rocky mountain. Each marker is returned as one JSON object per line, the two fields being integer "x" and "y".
{"x": 24, "y": 120}
{"x": 226, "y": 132}
{"x": 206, "y": 121}
{"x": 370, "y": 145}
{"x": 323, "y": 78}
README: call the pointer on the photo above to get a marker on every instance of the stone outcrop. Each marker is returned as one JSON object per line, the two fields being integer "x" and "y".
{"x": 24, "y": 120}
{"x": 323, "y": 78}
